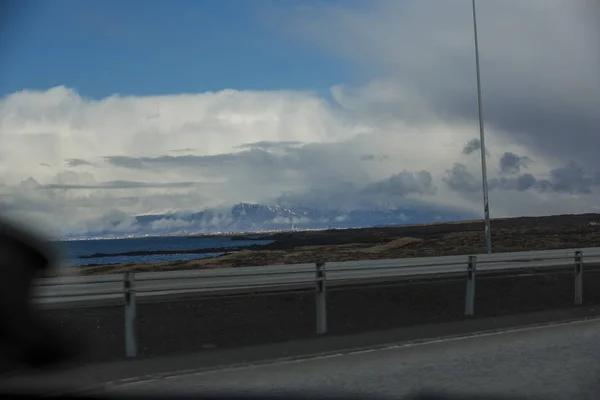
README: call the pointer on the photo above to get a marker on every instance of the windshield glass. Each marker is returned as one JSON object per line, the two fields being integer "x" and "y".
{"x": 230, "y": 182}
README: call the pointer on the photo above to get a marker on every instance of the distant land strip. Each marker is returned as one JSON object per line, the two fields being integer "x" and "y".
{"x": 156, "y": 252}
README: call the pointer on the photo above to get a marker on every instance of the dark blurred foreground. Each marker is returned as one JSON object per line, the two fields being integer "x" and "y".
{"x": 27, "y": 338}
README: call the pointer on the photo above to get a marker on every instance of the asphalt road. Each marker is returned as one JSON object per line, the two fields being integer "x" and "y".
{"x": 554, "y": 362}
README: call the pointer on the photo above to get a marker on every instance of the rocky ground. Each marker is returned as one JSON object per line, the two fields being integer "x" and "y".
{"x": 511, "y": 234}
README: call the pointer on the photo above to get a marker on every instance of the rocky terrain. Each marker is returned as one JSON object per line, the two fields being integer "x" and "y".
{"x": 510, "y": 234}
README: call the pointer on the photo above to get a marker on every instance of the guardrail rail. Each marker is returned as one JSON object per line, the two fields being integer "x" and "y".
{"x": 88, "y": 290}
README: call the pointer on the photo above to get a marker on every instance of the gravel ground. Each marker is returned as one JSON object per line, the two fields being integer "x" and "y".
{"x": 199, "y": 324}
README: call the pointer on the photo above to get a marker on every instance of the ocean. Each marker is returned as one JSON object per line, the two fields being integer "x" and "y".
{"x": 113, "y": 249}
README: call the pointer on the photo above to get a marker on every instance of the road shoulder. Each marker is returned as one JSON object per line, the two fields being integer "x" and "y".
{"x": 92, "y": 378}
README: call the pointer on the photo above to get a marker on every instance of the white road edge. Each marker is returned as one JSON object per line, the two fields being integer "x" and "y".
{"x": 132, "y": 382}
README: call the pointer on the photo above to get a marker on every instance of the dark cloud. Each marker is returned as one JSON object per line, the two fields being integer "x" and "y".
{"x": 76, "y": 162}
{"x": 539, "y": 63}
{"x": 253, "y": 157}
{"x": 571, "y": 179}
{"x": 544, "y": 95}
{"x": 45, "y": 165}
{"x": 459, "y": 178}
{"x": 317, "y": 164}
{"x": 265, "y": 145}
{"x": 186, "y": 150}
{"x": 520, "y": 183}
{"x": 121, "y": 185}
{"x": 125, "y": 162}
{"x": 472, "y": 146}
{"x": 371, "y": 157}
{"x": 388, "y": 193}
{"x": 512, "y": 163}
{"x": 29, "y": 183}
{"x": 402, "y": 184}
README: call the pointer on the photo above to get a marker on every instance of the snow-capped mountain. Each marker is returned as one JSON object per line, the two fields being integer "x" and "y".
{"x": 245, "y": 217}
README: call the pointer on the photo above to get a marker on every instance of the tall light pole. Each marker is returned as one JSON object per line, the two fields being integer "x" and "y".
{"x": 486, "y": 206}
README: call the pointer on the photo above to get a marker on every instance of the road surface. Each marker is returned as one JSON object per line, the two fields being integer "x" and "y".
{"x": 554, "y": 362}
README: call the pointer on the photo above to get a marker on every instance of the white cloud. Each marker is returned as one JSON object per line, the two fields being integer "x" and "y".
{"x": 78, "y": 164}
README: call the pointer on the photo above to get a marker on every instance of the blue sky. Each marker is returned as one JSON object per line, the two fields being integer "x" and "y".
{"x": 103, "y": 47}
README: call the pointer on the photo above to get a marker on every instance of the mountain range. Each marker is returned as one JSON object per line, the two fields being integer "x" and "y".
{"x": 246, "y": 218}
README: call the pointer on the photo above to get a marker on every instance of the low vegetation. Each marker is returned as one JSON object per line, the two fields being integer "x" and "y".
{"x": 510, "y": 234}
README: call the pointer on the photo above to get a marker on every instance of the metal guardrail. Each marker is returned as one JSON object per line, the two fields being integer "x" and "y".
{"x": 129, "y": 286}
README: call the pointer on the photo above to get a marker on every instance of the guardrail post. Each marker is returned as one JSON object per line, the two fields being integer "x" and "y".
{"x": 470, "y": 297}
{"x": 129, "y": 293}
{"x": 578, "y": 277}
{"x": 321, "y": 298}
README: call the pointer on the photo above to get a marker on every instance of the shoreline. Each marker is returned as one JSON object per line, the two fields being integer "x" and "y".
{"x": 207, "y": 250}
{"x": 589, "y": 217}
{"x": 440, "y": 239}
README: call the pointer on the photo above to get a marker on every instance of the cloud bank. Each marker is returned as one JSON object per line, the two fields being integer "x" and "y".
{"x": 407, "y": 136}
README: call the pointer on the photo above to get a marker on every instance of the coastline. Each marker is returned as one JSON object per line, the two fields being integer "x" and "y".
{"x": 207, "y": 250}
{"x": 437, "y": 239}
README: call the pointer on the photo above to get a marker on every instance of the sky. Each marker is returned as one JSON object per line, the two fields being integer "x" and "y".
{"x": 125, "y": 108}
